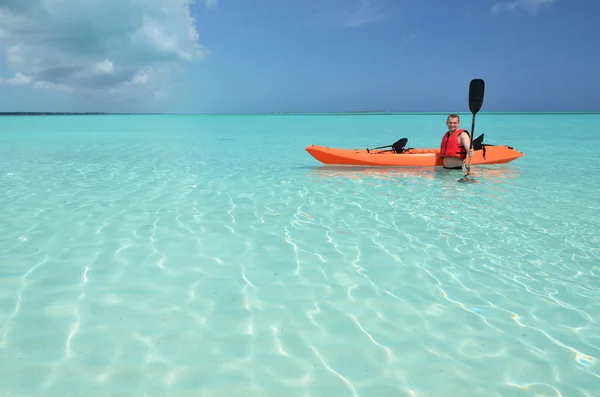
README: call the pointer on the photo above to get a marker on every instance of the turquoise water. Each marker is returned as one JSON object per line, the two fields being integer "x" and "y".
{"x": 212, "y": 256}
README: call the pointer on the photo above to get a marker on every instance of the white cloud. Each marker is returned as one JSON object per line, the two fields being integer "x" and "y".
{"x": 343, "y": 14}
{"x": 211, "y": 3}
{"x": 105, "y": 66}
{"x": 19, "y": 79}
{"x": 98, "y": 47}
{"x": 531, "y": 6}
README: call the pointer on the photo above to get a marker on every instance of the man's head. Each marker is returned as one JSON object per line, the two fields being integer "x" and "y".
{"x": 453, "y": 121}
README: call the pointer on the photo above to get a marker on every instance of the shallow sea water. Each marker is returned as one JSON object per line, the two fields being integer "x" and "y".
{"x": 212, "y": 256}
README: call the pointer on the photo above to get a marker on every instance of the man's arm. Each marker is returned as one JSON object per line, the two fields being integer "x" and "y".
{"x": 465, "y": 141}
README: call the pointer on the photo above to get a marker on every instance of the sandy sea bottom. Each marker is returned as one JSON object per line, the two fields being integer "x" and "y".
{"x": 163, "y": 267}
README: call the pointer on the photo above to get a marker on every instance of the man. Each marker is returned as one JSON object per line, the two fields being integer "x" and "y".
{"x": 455, "y": 144}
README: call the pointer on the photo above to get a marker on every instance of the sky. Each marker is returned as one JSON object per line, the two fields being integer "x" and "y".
{"x": 262, "y": 56}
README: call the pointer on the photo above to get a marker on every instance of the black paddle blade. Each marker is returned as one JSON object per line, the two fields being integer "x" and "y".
{"x": 476, "y": 91}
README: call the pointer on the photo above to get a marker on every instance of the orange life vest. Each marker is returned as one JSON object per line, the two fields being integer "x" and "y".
{"x": 450, "y": 146}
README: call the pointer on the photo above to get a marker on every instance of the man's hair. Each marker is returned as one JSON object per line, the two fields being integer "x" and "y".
{"x": 453, "y": 116}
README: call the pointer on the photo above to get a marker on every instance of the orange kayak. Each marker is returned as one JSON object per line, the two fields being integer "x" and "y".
{"x": 489, "y": 154}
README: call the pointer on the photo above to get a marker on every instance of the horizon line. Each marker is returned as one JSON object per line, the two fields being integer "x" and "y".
{"x": 351, "y": 112}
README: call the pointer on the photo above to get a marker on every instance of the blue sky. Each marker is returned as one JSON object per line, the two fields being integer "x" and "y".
{"x": 240, "y": 56}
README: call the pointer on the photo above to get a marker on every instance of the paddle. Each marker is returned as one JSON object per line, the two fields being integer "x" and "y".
{"x": 476, "y": 91}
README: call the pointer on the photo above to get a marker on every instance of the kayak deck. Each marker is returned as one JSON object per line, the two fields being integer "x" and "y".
{"x": 419, "y": 157}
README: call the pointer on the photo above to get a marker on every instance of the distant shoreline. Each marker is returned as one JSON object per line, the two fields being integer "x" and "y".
{"x": 68, "y": 114}
{"x": 348, "y": 113}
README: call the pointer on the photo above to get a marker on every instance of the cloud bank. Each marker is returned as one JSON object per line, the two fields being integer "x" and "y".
{"x": 98, "y": 47}
{"x": 531, "y": 6}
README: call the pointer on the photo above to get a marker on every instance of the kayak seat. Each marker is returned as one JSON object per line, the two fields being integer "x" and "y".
{"x": 399, "y": 145}
{"x": 478, "y": 142}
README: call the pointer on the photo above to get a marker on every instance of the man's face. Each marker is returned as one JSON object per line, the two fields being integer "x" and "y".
{"x": 452, "y": 124}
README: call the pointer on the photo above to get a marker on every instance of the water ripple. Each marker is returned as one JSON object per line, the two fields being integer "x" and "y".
{"x": 162, "y": 267}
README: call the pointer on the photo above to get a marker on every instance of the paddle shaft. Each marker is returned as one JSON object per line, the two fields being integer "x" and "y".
{"x": 471, "y": 144}
{"x": 476, "y": 92}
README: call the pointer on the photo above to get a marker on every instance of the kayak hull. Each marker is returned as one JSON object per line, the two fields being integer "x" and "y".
{"x": 426, "y": 157}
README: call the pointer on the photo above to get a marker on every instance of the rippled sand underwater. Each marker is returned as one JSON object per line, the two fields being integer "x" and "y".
{"x": 136, "y": 263}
